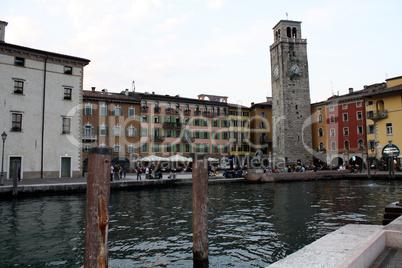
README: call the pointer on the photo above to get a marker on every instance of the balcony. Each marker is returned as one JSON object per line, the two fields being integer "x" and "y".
{"x": 172, "y": 111}
{"x": 89, "y": 138}
{"x": 157, "y": 110}
{"x": 187, "y": 112}
{"x": 377, "y": 116}
{"x": 208, "y": 114}
{"x": 144, "y": 109}
{"x": 157, "y": 138}
{"x": 197, "y": 112}
{"x": 172, "y": 125}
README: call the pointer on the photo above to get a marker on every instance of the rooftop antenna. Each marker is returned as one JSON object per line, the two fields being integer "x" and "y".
{"x": 133, "y": 86}
{"x": 287, "y": 18}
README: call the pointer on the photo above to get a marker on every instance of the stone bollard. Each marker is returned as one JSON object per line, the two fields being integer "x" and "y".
{"x": 97, "y": 210}
{"x": 200, "y": 211}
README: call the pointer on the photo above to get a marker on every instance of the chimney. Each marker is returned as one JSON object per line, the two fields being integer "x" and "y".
{"x": 252, "y": 103}
{"x": 93, "y": 89}
{"x": 3, "y": 25}
{"x": 350, "y": 90}
{"x": 153, "y": 92}
{"x": 126, "y": 93}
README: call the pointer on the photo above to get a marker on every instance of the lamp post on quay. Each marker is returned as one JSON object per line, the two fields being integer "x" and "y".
{"x": 3, "y": 137}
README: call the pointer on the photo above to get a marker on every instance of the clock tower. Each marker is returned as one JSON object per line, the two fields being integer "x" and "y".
{"x": 292, "y": 140}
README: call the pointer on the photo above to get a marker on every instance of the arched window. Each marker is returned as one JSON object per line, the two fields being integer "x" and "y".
{"x": 168, "y": 105}
{"x": 347, "y": 145}
{"x": 320, "y": 118}
{"x": 294, "y": 32}
{"x": 333, "y": 146}
{"x": 197, "y": 108}
{"x": 360, "y": 144}
{"x": 321, "y": 146}
{"x": 144, "y": 104}
{"x": 218, "y": 111}
{"x": 288, "y": 32}
{"x": 320, "y": 132}
{"x": 156, "y": 104}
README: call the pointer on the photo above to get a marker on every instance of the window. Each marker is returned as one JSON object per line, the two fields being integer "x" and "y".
{"x": 332, "y": 132}
{"x": 16, "y": 122}
{"x": 215, "y": 123}
{"x": 86, "y": 148}
{"x": 225, "y": 149}
{"x": 144, "y": 147}
{"x": 215, "y": 135}
{"x": 131, "y": 132}
{"x": 225, "y": 123}
{"x": 117, "y": 131}
{"x": 144, "y": 132}
{"x": 359, "y": 115}
{"x": 187, "y": 121}
{"x": 345, "y": 131}
{"x": 118, "y": 111}
{"x": 197, "y": 148}
{"x": 19, "y": 61}
{"x": 388, "y": 128}
{"x": 157, "y": 119}
{"x": 18, "y": 86}
{"x": 196, "y": 122}
{"x": 66, "y": 124}
{"x": 88, "y": 109}
{"x": 168, "y": 147}
{"x": 347, "y": 146}
{"x": 332, "y": 118}
{"x": 345, "y": 117}
{"x": 225, "y": 135}
{"x": 88, "y": 131}
{"x": 333, "y": 146}
{"x": 320, "y": 118}
{"x": 156, "y": 147}
{"x": 67, "y": 93}
{"x": 131, "y": 148}
{"x": 360, "y": 144}
{"x": 197, "y": 134}
{"x": 144, "y": 118}
{"x": 131, "y": 112}
{"x": 68, "y": 70}
{"x": 215, "y": 148}
{"x": 370, "y": 102}
{"x": 331, "y": 108}
{"x": 371, "y": 145}
{"x": 359, "y": 130}
{"x": 344, "y": 106}
{"x": 206, "y": 148}
{"x": 359, "y": 104}
{"x": 370, "y": 129}
{"x": 117, "y": 148}
{"x": 262, "y": 125}
{"x": 178, "y": 147}
{"x": 103, "y": 110}
{"x": 321, "y": 146}
{"x": 103, "y": 130}
{"x": 320, "y": 132}
{"x": 370, "y": 114}
{"x": 186, "y": 148}
{"x": 168, "y": 133}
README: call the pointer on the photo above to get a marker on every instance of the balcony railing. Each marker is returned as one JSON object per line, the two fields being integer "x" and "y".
{"x": 89, "y": 137}
{"x": 144, "y": 109}
{"x": 197, "y": 112}
{"x": 157, "y": 110}
{"x": 172, "y": 125}
{"x": 172, "y": 111}
{"x": 377, "y": 115}
{"x": 208, "y": 114}
{"x": 157, "y": 138}
{"x": 187, "y": 112}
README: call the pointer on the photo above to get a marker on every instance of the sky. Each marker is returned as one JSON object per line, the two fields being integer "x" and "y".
{"x": 218, "y": 47}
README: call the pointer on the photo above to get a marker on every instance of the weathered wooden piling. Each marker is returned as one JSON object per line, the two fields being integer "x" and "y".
{"x": 200, "y": 211}
{"x": 97, "y": 210}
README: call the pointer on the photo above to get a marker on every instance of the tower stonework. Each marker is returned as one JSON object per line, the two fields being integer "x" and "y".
{"x": 292, "y": 140}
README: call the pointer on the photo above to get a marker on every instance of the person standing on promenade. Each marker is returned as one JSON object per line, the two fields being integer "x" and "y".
{"x": 111, "y": 172}
{"x": 124, "y": 171}
{"x": 138, "y": 173}
{"x": 116, "y": 172}
{"x": 147, "y": 173}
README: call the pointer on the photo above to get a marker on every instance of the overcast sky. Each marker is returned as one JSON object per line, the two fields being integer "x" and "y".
{"x": 218, "y": 47}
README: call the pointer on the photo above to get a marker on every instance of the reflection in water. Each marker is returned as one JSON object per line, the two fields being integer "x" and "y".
{"x": 250, "y": 225}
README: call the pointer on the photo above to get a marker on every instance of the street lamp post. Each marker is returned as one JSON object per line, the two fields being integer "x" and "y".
{"x": 3, "y": 137}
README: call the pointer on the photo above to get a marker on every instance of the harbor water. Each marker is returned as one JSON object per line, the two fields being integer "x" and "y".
{"x": 250, "y": 225}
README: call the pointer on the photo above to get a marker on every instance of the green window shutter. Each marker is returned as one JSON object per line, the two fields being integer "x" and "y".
{"x": 159, "y": 117}
{"x": 147, "y": 132}
{"x": 218, "y": 123}
{"x": 147, "y": 118}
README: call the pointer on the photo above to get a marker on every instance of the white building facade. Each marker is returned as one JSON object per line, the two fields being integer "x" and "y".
{"x": 41, "y": 98}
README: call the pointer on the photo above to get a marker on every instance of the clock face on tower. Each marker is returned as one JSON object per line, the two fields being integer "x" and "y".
{"x": 295, "y": 68}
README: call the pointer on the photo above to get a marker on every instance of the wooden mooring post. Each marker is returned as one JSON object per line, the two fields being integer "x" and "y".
{"x": 200, "y": 211}
{"x": 97, "y": 210}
